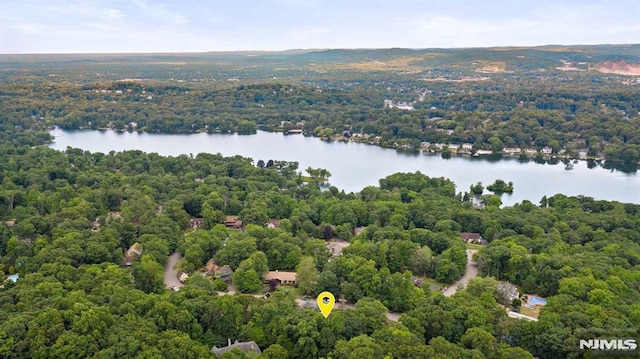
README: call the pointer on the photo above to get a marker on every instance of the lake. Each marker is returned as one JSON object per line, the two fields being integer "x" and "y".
{"x": 354, "y": 165}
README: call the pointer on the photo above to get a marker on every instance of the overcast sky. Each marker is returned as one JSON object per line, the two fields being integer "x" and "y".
{"x": 87, "y": 26}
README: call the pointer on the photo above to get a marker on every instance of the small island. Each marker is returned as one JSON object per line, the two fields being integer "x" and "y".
{"x": 500, "y": 186}
{"x": 317, "y": 175}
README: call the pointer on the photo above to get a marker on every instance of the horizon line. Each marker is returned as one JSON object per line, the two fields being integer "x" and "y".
{"x": 313, "y": 50}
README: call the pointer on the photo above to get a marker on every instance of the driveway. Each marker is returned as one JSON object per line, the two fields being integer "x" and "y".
{"x": 170, "y": 273}
{"x": 472, "y": 272}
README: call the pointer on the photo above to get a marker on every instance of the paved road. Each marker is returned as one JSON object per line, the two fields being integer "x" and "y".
{"x": 170, "y": 273}
{"x": 472, "y": 272}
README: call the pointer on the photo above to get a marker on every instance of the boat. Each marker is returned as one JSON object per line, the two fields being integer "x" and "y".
{"x": 568, "y": 166}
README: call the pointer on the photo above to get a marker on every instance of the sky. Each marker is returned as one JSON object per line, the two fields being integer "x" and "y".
{"x": 108, "y": 26}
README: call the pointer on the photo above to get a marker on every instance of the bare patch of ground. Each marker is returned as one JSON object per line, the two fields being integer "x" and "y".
{"x": 618, "y": 68}
{"x": 493, "y": 68}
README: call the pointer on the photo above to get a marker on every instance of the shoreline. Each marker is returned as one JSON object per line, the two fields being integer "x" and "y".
{"x": 339, "y": 138}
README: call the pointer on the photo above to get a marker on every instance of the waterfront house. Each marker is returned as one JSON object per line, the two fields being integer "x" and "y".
{"x": 511, "y": 150}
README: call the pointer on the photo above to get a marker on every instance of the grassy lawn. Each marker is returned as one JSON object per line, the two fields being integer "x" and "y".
{"x": 313, "y": 179}
{"x": 474, "y": 246}
{"x": 434, "y": 282}
{"x": 530, "y": 312}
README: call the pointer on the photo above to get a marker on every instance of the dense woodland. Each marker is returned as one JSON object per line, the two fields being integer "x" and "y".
{"x": 580, "y": 253}
{"x": 75, "y": 299}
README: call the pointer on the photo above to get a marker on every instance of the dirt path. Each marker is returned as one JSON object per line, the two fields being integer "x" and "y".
{"x": 170, "y": 273}
{"x": 472, "y": 272}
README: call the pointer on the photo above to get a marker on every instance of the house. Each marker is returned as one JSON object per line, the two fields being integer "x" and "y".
{"x": 453, "y": 147}
{"x": 113, "y": 215}
{"x": 473, "y": 238}
{"x": 132, "y": 253}
{"x": 509, "y": 291}
{"x": 211, "y": 267}
{"x": 10, "y": 223}
{"x": 247, "y": 347}
{"x": 196, "y": 223}
{"x": 404, "y": 105}
{"x": 287, "y": 278}
{"x": 531, "y": 152}
{"x": 273, "y": 223}
{"x": 183, "y": 277}
{"x": 547, "y": 150}
{"x": 467, "y": 146}
{"x": 401, "y": 105}
{"x": 233, "y": 222}
{"x": 583, "y": 154}
{"x": 511, "y": 150}
{"x": 95, "y": 225}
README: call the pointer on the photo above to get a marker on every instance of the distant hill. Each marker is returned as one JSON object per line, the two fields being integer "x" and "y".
{"x": 304, "y": 64}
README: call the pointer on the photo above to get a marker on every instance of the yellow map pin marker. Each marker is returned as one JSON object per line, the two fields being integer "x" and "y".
{"x": 326, "y": 300}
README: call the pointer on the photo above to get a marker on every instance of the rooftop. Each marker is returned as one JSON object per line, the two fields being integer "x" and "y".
{"x": 283, "y": 276}
{"x": 244, "y": 346}
{"x": 470, "y": 236}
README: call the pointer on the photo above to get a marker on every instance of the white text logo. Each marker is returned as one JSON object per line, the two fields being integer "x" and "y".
{"x": 608, "y": 344}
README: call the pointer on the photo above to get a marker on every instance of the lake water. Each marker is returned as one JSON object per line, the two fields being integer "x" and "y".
{"x": 354, "y": 166}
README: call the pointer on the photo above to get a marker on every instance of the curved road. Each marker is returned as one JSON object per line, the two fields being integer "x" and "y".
{"x": 170, "y": 273}
{"x": 472, "y": 272}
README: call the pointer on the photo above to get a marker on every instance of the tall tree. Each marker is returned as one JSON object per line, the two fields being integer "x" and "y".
{"x": 307, "y": 275}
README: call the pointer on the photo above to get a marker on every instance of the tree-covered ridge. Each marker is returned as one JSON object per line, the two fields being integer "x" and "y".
{"x": 580, "y": 253}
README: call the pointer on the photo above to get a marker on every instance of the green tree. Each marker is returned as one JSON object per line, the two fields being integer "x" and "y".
{"x": 246, "y": 281}
{"x": 148, "y": 275}
{"x": 307, "y": 275}
{"x": 276, "y": 351}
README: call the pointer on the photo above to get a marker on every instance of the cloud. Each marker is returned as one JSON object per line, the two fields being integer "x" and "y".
{"x": 548, "y": 24}
{"x": 190, "y": 25}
